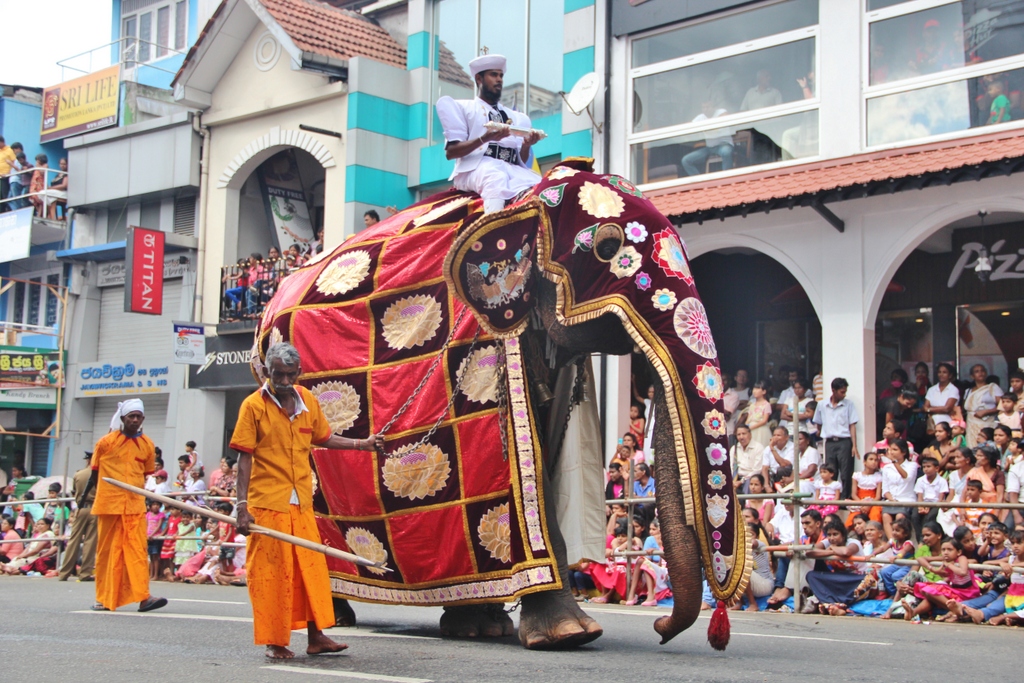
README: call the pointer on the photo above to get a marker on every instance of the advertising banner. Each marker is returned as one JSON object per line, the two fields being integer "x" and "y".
{"x": 35, "y": 398}
{"x": 16, "y": 234}
{"x": 189, "y": 343}
{"x": 21, "y": 368}
{"x": 81, "y": 105}
{"x": 144, "y": 278}
{"x": 286, "y": 200}
{"x": 107, "y": 379}
{"x": 226, "y": 365}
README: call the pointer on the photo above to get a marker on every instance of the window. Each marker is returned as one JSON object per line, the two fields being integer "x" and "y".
{"x": 946, "y": 68}
{"x": 753, "y": 69}
{"x": 33, "y": 305}
{"x": 156, "y": 30}
{"x": 529, "y": 34}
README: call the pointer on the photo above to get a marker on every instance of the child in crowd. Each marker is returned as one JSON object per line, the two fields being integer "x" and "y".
{"x": 993, "y": 550}
{"x": 959, "y": 582}
{"x": 971, "y": 517}
{"x": 167, "y": 549}
{"x": 930, "y": 550}
{"x": 827, "y": 488}
{"x": 184, "y": 465}
{"x": 637, "y": 423}
{"x": 154, "y": 527}
{"x": 869, "y": 487}
{"x": 1014, "y": 598}
{"x": 610, "y": 577}
{"x": 930, "y": 488}
{"x": 1008, "y": 415}
{"x": 898, "y": 479}
{"x": 766, "y": 507}
{"x": 762, "y": 581}
{"x": 959, "y": 428}
{"x": 968, "y": 542}
{"x": 184, "y": 547}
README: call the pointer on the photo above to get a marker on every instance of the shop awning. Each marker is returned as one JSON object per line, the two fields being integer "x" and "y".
{"x": 114, "y": 251}
{"x": 863, "y": 175}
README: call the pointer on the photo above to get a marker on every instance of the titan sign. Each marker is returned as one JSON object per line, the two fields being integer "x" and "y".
{"x": 144, "y": 279}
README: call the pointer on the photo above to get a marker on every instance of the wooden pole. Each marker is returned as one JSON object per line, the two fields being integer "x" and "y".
{"x": 255, "y": 528}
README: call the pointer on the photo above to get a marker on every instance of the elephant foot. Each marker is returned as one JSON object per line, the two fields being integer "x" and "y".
{"x": 476, "y": 621}
{"x": 552, "y": 620}
{"x": 344, "y": 615}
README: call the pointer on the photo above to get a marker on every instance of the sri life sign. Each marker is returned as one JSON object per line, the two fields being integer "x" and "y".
{"x": 144, "y": 277}
{"x": 80, "y": 105}
{"x": 189, "y": 343}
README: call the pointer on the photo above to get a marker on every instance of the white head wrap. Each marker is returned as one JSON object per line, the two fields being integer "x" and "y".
{"x": 123, "y": 408}
{"x": 486, "y": 63}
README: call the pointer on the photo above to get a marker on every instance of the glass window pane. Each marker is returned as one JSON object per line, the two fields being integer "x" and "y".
{"x": 145, "y": 35}
{"x": 879, "y": 4}
{"x": 946, "y": 37}
{"x": 747, "y": 144}
{"x": 947, "y": 108}
{"x": 746, "y": 82}
{"x": 454, "y": 47}
{"x": 128, "y": 44}
{"x": 180, "y": 24}
{"x": 52, "y": 302}
{"x": 736, "y": 28}
{"x": 163, "y": 30}
{"x": 503, "y": 31}
{"x": 35, "y": 295}
{"x": 546, "y": 19}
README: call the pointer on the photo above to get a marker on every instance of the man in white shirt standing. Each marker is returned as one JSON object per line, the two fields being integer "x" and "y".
{"x": 491, "y": 161}
{"x": 762, "y": 95}
{"x": 837, "y": 418}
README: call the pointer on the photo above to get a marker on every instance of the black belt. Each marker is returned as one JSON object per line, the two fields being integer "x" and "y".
{"x": 506, "y": 154}
{"x": 837, "y": 438}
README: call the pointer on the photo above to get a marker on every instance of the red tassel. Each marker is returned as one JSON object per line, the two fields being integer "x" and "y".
{"x": 718, "y": 629}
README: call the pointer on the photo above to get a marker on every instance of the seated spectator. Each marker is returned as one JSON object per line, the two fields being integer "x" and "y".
{"x": 57, "y": 194}
{"x": 929, "y": 551}
{"x": 833, "y": 587}
{"x": 643, "y": 483}
{"x": 716, "y": 143}
{"x": 827, "y": 488}
{"x": 187, "y": 544}
{"x": 195, "y": 484}
{"x": 762, "y": 581}
{"x": 1008, "y": 414}
{"x": 38, "y": 185}
{"x": 39, "y": 557}
{"x": 1004, "y": 600}
{"x": 762, "y": 95}
{"x": 623, "y": 458}
{"x": 810, "y": 521}
{"x": 236, "y": 284}
{"x": 652, "y": 567}
{"x": 747, "y": 457}
{"x": 223, "y": 480}
{"x": 610, "y": 577}
{"x": 898, "y": 479}
{"x": 903, "y": 549}
{"x": 972, "y": 517}
{"x": 616, "y": 486}
{"x": 185, "y": 463}
{"x": 150, "y": 484}
{"x": 7, "y": 533}
{"x": 764, "y": 507}
{"x": 163, "y": 487}
{"x": 958, "y": 584}
{"x": 778, "y": 453}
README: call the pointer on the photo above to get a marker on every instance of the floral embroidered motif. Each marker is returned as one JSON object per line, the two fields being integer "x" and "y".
{"x": 720, "y": 566}
{"x": 713, "y": 424}
{"x": 340, "y": 403}
{"x": 585, "y": 238}
{"x": 411, "y": 321}
{"x": 523, "y": 443}
{"x": 717, "y": 454}
{"x": 495, "y": 534}
{"x": 716, "y": 479}
{"x": 623, "y": 185}
{"x": 708, "y": 381}
{"x": 636, "y": 232}
{"x": 664, "y": 299}
{"x": 626, "y": 262}
{"x": 474, "y": 590}
{"x": 275, "y": 337}
{"x": 552, "y": 196}
{"x": 643, "y": 281}
{"x": 417, "y": 472}
{"x": 478, "y": 374}
{"x": 718, "y": 509}
{"x": 691, "y": 323}
{"x": 601, "y": 201}
{"x": 364, "y": 544}
{"x": 668, "y": 253}
{"x": 559, "y": 172}
{"x": 344, "y": 273}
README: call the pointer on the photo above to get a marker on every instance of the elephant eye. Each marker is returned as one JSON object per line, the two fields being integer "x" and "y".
{"x": 607, "y": 241}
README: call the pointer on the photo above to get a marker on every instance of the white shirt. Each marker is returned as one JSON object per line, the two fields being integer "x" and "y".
{"x": 768, "y": 458}
{"x": 748, "y": 460}
{"x": 731, "y": 402}
{"x": 1015, "y": 476}
{"x": 937, "y": 398}
{"x": 901, "y": 489}
{"x": 803, "y": 461}
{"x": 933, "y": 491}
{"x": 829, "y": 491}
{"x": 786, "y": 397}
{"x": 720, "y": 136}
{"x": 782, "y": 523}
{"x": 867, "y": 481}
{"x": 163, "y": 489}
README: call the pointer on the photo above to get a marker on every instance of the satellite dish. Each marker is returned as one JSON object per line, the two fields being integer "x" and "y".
{"x": 583, "y": 93}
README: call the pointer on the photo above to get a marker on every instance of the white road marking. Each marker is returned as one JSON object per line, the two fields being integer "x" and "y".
{"x": 212, "y": 602}
{"x": 345, "y": 674}
{"x": 827, "y": 640}
{"x": 343, "y": 632}
{"x": 647, "y": 613}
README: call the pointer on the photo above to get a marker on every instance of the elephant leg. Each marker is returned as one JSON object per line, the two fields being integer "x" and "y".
{"x": 476, "y": 621}
{"x": 553, "y": 619}
{"x": 344, "y": 615}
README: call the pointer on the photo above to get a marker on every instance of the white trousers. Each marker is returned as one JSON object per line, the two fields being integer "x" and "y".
{"x": 496, "y": 182}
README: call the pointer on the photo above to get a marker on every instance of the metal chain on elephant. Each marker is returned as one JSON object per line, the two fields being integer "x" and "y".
{"x": 430, "y": 371}
{"x": 578, "y": 388}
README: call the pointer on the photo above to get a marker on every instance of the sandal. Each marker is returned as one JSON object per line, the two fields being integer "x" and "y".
{"x": 599, "y": 600}
{"x": 649, "y": 603}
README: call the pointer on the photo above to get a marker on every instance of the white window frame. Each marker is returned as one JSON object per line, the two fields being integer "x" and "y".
{"x": 729, "y": 120}
{"x": 40, "y": 322}
{"x": 153, "y": 45}
{"x": 870, "y": 92}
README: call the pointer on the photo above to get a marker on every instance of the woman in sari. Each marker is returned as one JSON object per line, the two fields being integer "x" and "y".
{"x": 981, "y": 403}
{"x": 987, "y": 471}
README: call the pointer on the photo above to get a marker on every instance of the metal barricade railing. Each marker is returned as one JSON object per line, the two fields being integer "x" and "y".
{"x": 20, "y": 195}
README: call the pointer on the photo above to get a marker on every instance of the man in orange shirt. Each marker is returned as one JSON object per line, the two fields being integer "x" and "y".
{"x": 122, "y": 567}
{"x": 289, "y": 586}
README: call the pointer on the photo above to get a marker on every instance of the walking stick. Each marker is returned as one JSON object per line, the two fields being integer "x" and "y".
{"x": 255, "y": 528}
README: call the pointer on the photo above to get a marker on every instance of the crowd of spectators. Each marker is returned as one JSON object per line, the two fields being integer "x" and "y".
{"x": 24, "y": 184}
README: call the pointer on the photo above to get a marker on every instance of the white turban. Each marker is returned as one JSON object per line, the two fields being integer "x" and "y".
{"x": 123, "y": 408}
{"x": 486, "y": 63}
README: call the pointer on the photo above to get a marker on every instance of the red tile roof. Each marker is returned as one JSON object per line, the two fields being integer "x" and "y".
{"x": 321, "y": 29}
{"x": 836, "y": 174}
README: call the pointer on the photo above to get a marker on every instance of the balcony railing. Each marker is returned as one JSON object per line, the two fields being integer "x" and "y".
{"x": 247, "y": 287}
{"x": 49, "y": 203}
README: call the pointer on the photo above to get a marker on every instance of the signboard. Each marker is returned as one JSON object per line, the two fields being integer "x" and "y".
{"x": 15, "y": 234}
{"x": 22, "y": 367}
{"x": 144, "y": 282}
{"x": 111, "y": 273}
{"x": 81, "y": 105}
{"x": 286, "y": 199}
{"x": 226, "y": 366}
{"x": 39, "y": 398}
{"x": 189, "y": 343}
{"x": 107, "y": 379}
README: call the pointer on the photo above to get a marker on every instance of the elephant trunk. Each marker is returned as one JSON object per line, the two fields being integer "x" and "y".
{"x": 682, "y": 553}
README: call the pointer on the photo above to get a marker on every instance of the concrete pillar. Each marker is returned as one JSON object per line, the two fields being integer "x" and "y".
{"x": 200, "y": 418}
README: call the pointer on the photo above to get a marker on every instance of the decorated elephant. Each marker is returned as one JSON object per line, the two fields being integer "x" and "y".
{"x": 442, "y": 328}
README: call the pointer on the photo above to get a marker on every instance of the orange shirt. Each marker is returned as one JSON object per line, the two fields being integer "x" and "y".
{"x": 129, "y": 460}
{"x": 280, "y": 448}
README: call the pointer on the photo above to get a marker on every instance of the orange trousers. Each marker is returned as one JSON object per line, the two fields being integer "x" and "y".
{"x": 122, "y": 565}
{"x": 288, "y": 586}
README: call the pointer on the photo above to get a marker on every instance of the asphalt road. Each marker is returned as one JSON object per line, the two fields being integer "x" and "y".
{"x": 205, "y": 634}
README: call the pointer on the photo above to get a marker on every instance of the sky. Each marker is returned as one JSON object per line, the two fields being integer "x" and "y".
{"x": 42, "y": 32}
